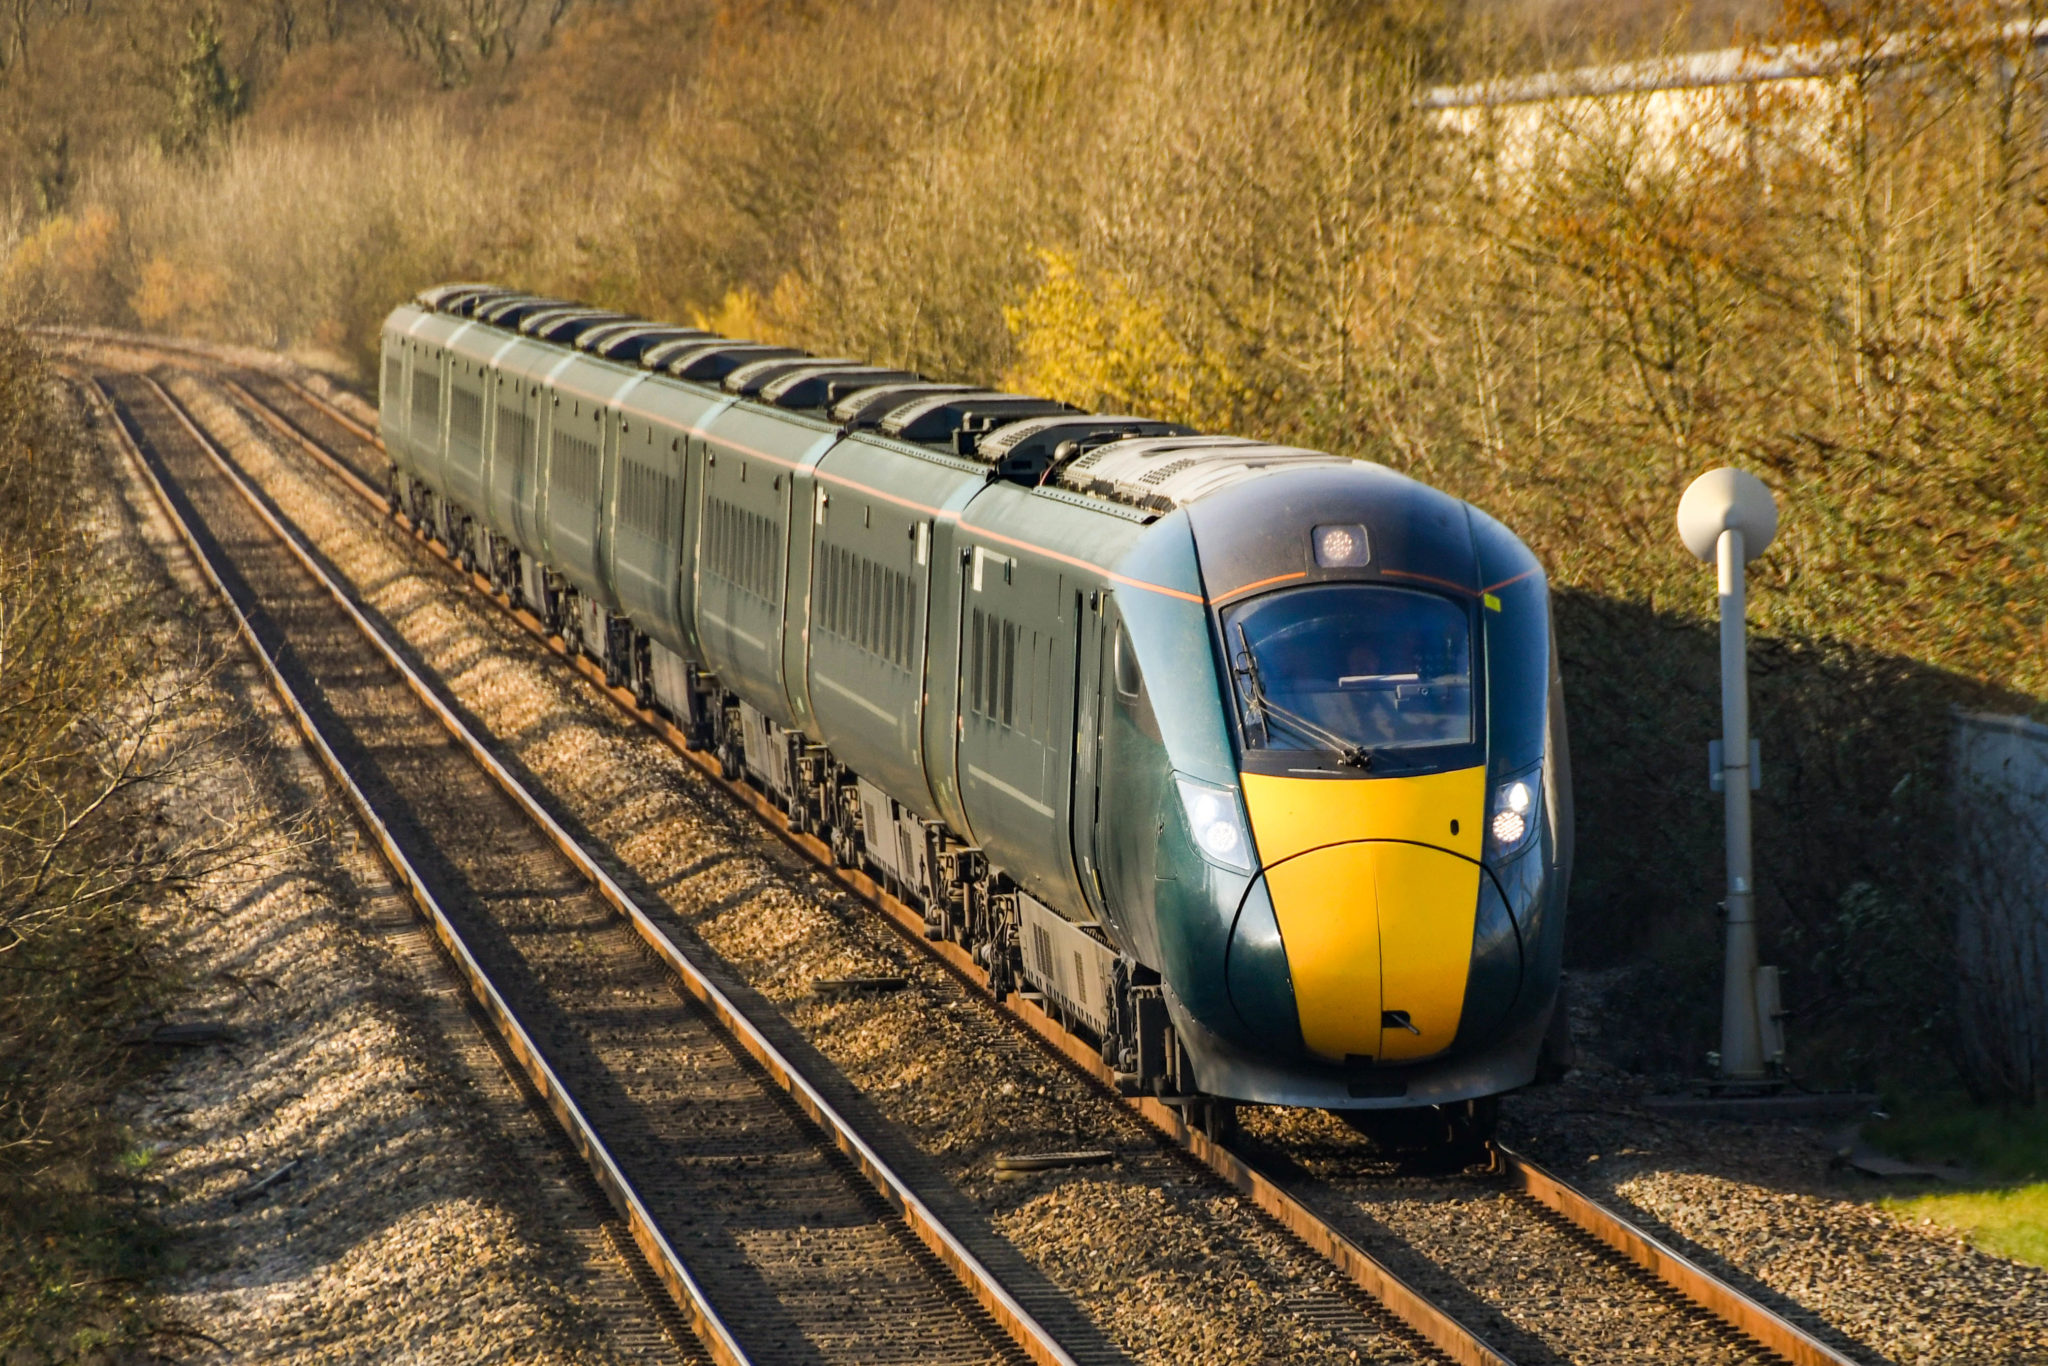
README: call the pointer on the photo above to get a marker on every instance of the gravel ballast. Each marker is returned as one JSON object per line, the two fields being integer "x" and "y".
{"x": 343, "y": 1168}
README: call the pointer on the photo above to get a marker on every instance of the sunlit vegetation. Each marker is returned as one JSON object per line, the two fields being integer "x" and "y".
{"x": 2011, "y": 1222}
{"x": 2005, "y": 1153}
{"x": 115, "y": 799}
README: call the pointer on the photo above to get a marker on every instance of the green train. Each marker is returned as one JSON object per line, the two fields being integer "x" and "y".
{"x": 1249, "y": 761}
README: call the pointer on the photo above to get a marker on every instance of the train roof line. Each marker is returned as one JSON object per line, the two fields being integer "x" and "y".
{"x": 1141, "y": 464}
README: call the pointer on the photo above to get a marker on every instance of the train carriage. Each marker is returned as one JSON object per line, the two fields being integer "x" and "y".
{"x": 1249, "y": 760}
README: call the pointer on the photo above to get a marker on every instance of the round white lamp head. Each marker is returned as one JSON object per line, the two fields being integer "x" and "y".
{"x": 1727, "y": 500}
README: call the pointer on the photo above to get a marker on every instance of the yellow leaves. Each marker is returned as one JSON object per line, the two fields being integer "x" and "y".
{"x": 743, "y": 313}
{"x": 1098, "y": 343}
{"x": 179, "y": 298}
{"x": 58, "y": 266}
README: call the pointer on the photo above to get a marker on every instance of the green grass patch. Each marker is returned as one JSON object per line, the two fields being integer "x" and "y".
{"x": 2012, "y": 1222}
{"x": 2005, "y": 1148}
{"x": 1996, "y": 1143}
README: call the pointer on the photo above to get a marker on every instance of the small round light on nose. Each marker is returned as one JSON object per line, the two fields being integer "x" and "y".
{"x": 1508, "y": 827}
{"x": 1518, "y": 800}
{"x": 1341, "y": 547}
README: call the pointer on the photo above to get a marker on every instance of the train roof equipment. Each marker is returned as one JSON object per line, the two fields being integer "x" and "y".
{"x": 963, "y": 419}
{"x": 1161, "y": 474}
{"x": 709, "y": 359}
{"x": 445, "y": 298}
{"x": 868, "y": 405}
{"x": 565, "y": 326}
{"x": 591, "y": 338}
{"x": 628, "y": 344}
{"x": 751, "y": 378}
{"x": 713, "y": 361}
{"x": 529, "y": 321}
{"x": 1022, "y": 452}
{"x": 571, "y": 331}
{"x": 509, "y": 313}
{"x": 818, "y": 386}
{"x": 473, "y": 305}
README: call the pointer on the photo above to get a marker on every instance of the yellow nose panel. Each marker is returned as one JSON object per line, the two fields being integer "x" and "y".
{"x": 1372, "y": 927}
{"x": 1293, "y": 815}
{"x": 1376, "y": 900}
{"x": 1327, "y": 904}
{"x": 1428, "y": 904}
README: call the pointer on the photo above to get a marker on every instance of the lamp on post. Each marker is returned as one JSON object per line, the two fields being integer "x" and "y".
{"x": 1728, "y": 517}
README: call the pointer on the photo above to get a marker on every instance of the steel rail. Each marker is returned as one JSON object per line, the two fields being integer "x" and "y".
{"x": 1683, "y": 1276}
{"x": 1724, "y": 1301}
{"x": 984, "y": 1287}
{"x": 668, "y": 1265}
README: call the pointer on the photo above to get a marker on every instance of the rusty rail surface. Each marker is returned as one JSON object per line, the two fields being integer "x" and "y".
{"x": 986, "y": 1289}
{"x": 1755, "y": 1321}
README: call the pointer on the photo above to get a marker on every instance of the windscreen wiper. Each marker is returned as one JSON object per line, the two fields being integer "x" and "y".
{"x": 1349, "y": 754}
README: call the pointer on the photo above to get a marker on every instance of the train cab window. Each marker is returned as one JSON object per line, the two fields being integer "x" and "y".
{"x": 1365, "y": 677}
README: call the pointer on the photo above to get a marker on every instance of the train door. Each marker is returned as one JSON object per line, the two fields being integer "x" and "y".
{"x": 1119, "y": 738}
{"x": 1095, "y": 617}
{"x": 1011, "y": 740}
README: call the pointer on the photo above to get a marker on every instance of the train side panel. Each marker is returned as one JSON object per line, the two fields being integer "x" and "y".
{"x": 657, "y": 582}
{"x": 581, "y": 471}
{"x": 742, "y": 566}
{"x": 442, "y": 337}
{"x": 644, "y": 523}
{"x": 473, "y": 383}
{"x": 426, "y": 350}
{"x": 1031, "y": 565}
{"x": 512, "y": 480}
{"x": 394, "y": 371}
{"x": 870, "y": 607}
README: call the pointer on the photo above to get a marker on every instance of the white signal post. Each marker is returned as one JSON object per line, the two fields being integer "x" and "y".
{"x": 1728, "y": 517}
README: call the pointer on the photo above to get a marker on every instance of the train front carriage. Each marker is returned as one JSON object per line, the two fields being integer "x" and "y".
{"x": 1383, "y": 865}
{"x": 1250, "y": 761}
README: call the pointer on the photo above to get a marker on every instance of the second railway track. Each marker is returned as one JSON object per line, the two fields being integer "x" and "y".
{"x": 781, "y": 1232}
{"x": 1603, "y": 1291}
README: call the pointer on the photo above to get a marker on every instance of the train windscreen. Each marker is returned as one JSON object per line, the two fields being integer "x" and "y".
{"x": 1362, "y": 673}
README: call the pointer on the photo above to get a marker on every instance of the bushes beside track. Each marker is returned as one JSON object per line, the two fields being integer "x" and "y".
{"x": 105, "y": 813}
{"x": 1244, "y": 219}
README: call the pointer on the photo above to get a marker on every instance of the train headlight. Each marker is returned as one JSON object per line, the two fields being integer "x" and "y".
{"x": 1342, "y": 546}
{"x": 1512, "y": 816}
{"x": 1217, "y": 823}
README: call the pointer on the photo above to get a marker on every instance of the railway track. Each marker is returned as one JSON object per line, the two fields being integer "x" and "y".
{"x": 1364, "y": 1220}
{"x": 777, "y": 1229}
